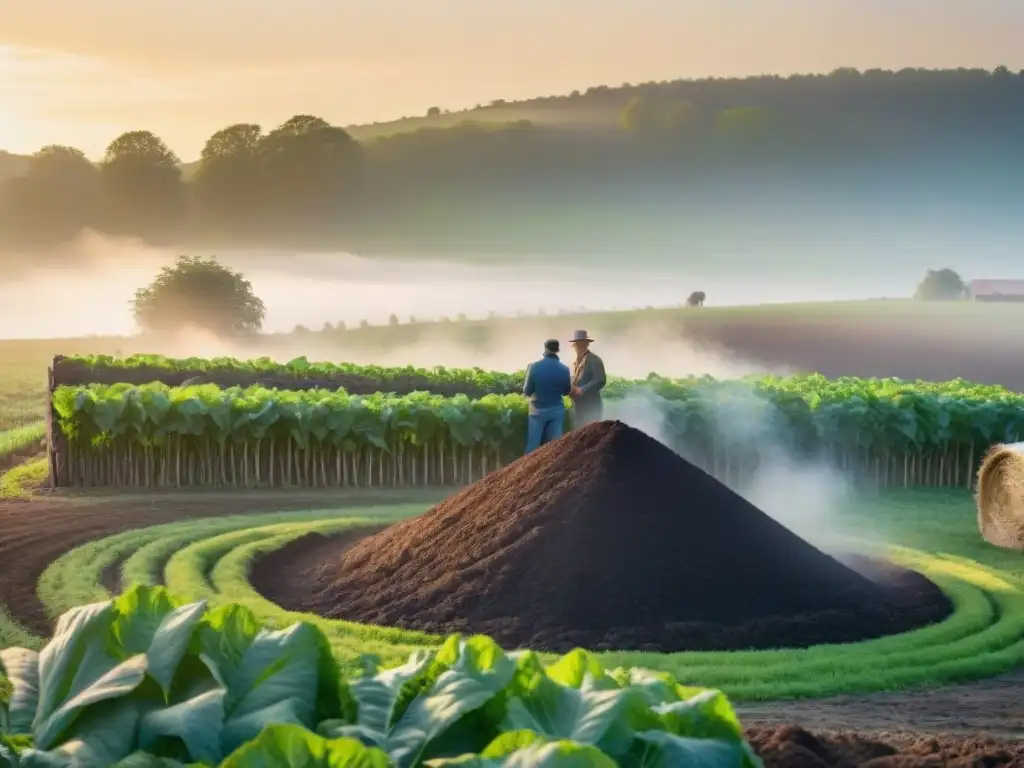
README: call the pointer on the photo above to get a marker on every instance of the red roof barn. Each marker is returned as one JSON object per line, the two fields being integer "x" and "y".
{"x": 997, "y": 290}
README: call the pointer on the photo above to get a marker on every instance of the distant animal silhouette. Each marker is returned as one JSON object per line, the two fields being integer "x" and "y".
{"x": 696, "y": 299}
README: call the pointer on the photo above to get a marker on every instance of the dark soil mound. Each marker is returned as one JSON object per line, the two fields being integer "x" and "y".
{"x": 602, "y": 536}
{"x": 789, "y": 746}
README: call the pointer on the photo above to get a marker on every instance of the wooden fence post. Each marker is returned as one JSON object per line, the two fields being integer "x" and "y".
{"x": 51, "y": 448}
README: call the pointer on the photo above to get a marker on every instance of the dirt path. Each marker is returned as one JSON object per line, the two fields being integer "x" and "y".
{"x": 33, "y": 534}
{"x": 868, "y": 348}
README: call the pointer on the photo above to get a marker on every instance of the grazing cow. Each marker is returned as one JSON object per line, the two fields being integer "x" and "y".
{"x": 696, "y": 299}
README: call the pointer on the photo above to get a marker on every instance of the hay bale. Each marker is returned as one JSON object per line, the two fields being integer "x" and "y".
{"x": 1000, "y": 496}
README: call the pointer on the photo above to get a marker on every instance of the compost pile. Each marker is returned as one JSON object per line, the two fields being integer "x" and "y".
{"x": 605, "y": 538}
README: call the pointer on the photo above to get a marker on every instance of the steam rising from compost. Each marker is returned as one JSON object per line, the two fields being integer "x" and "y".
{"x": 807, "y": 498}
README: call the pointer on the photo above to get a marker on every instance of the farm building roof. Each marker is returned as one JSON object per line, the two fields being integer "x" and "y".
{"x": 997, "y": 287}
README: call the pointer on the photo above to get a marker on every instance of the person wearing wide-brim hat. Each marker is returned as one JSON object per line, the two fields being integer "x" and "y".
{"x": 588, "y": 379}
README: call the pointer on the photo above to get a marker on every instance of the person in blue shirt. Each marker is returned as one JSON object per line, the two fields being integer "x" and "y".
{"x": 547, "y": 381}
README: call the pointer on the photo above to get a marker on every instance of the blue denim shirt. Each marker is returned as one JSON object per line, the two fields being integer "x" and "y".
{"x": 547, "y": 381}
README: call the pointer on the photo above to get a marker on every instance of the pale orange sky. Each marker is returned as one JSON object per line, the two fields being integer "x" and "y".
{"x": 75, "y": 72}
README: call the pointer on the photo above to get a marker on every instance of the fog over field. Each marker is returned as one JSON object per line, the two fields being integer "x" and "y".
{"x": 743, "y": 239}
{"x": 87, "y": 289}
{"x": 94, "y": 297}
{"x": 313, "y": 289}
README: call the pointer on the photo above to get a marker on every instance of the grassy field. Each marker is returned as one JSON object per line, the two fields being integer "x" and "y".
{"x": 17, "y": 440}
{"x": 19, "y": 477}
{"x": 21, "y": 481}
{"x": 931, "y": 532}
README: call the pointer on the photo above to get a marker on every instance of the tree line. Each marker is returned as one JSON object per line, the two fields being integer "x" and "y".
{"x": 309, "y": 182}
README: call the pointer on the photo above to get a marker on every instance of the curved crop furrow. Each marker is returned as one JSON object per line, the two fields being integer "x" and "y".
{"x": 991, "y": 642}
{"x": 76, "y": 577}
{"x": 213, "y": 559}
{"x": 148, "y": 563}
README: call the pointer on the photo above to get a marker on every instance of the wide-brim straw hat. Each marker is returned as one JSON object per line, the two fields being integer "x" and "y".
{"x": 579, "y": 336}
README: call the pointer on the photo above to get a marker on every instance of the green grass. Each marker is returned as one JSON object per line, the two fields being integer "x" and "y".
{"x": 22, "y": 480}
{"x": 12, "y": 634}
{"x": 930, "y": 531}
{"x": 20, "y": 439}
{"x": 22, "y": 389}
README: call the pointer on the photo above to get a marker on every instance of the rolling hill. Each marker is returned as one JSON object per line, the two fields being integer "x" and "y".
{"x": 860, "y": 102}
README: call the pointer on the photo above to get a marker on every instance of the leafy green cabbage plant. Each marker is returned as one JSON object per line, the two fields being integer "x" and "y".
{"x": 143, "y": 681}
{"x": 886, "y": 431}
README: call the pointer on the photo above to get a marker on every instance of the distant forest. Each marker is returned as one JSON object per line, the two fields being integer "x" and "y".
{"x": 308, "y": 183}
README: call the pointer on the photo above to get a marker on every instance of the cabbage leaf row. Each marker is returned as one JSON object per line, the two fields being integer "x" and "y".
{"x": 885, "y": 431}
{"x": 500, "y": 383}
{"x": 139, "y": 369}
{"x": 143, "y": 680}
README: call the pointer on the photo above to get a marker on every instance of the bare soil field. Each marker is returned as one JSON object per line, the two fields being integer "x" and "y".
{"x": 849, "y": 347}
{"x": 34, "y": 533}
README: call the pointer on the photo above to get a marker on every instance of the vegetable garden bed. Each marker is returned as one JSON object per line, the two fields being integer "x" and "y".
{"x": 884, "y": 433}
{"x": 297, "y": 374}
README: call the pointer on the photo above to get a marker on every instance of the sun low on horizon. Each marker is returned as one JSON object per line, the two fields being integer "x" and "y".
{"x": 81, "y": 76}
{"x": 19, "y": 129}
{"x": 33, "y": 85}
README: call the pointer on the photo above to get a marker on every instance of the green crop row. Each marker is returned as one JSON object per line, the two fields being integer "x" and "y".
{"x": 813, "y": 388}
{"x": 139, "y": 369}
{"x": 143, "y": 680}
{"x": 888, "y": 431}
{"x": 300, "y": 366}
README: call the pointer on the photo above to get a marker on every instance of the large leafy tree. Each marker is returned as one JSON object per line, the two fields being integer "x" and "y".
{"x": 56, "y": 197}
{"x": 941, "y": 285}
{"x": 310, "y": 168}
{"x": 228, "y": 183}
{"x": 142, "y": 186}
{"x": 201, "y": 293}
